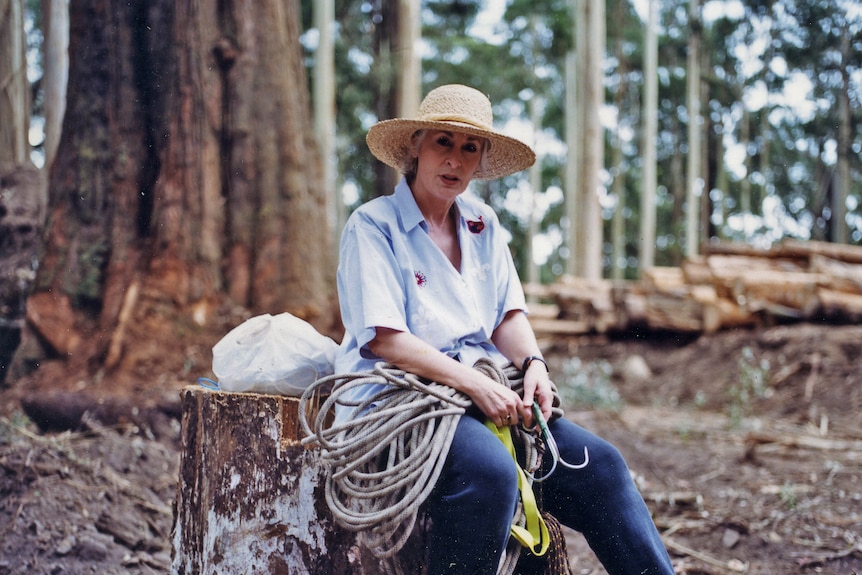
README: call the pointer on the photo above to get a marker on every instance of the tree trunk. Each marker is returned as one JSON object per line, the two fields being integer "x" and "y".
{"x": 14, "y": 88}
{"x": 694, "y": 180}
{"x": 187, "y": 169}
{"x": 55, "y": 75}
{"x": 573, "y": 155}
{"x": 589, "y": 227}
{"x": 324, "y": 112}
{"x": 409, "y": 62}
{"x": 618, "y": 187}
{"x": 385, "y": 73}
{"x": 535, "y": 171}
{"x": 646, "y": 241}
{"x": 840, "y": 233}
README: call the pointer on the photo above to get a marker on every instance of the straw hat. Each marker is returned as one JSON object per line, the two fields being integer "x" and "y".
{"x": 454, "y": 108}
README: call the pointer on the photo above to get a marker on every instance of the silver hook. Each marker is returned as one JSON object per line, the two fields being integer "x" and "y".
{"x": 552, "y": 447}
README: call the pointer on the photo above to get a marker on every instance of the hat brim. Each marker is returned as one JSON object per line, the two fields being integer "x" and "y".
{"x": 389, "y": 141}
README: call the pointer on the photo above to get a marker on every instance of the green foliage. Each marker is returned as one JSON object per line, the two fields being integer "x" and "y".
{"x": 754, "y": 52}
{"x": 788, "y": 496}
{"x": 12, "y": 428}
{"x": 451, "y": 17}
{"x": 753, "y": 384}
{"x": 589, "y": 385}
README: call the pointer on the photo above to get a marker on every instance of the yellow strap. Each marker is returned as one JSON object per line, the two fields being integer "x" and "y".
{"x": 534, "y": 535}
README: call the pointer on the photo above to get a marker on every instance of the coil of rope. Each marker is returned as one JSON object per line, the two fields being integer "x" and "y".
{"x": 386, "y": 457}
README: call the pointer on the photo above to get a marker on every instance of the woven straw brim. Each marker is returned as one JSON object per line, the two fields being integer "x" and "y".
{"x": 389, "y": 141}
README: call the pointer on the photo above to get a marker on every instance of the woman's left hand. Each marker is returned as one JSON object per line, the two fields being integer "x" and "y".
{"x": 514, "y": 337}
{"x": 537, "y": 387}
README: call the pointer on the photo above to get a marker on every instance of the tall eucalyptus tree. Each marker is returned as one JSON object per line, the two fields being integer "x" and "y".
{"x": 187, "y": 170}
{"x": 14, "y": 86}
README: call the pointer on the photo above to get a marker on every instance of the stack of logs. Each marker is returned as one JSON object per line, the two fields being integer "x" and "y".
{"x": 729, "y": 286}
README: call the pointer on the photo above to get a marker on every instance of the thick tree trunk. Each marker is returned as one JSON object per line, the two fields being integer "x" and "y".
{"x": 386, "y": 75}
{"x": 187, "y": 169}
{"x": 243, "y": 178}
{"x": 100, "y": 192}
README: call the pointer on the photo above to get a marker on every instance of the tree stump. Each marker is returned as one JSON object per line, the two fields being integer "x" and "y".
{"x": 250, "y": 497}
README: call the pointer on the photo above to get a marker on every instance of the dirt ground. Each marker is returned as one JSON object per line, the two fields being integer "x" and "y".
{"x": 747, "y": 446}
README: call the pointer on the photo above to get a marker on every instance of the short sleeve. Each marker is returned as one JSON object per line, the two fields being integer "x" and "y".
{"x": 371, "y": 288}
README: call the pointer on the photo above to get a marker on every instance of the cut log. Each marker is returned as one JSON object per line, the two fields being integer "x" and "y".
{"x": 543, "y": 310}
{"x": 550, "y": 326}
{"x": 539, "y": 292}
{"x": 776, "y": 285}
{"x": 695, "y": 270}
{"x": 731, "y": 314}
{"x": 842, "y": 276}
{"x": 664, "y": 279}
{"x": 841, "y": 305}
{"x": 730, "y": 286}
{"x": 793, "y": 290}
{"x": 635, "y": 306}
{"x": 706, "y": 296}
{"x": 592, "y": 302}
{"x": 724, "y": 265}
{"x": 842, "y": 252}
{"x": 802, "y": 441}
{"x": 736, "y": 249}
{"x": 250, "y": 498}
{"x": 544, "y": 319}
{"x": 674, "y": 311}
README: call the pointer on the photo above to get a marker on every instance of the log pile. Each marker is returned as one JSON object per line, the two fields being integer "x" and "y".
{"x": 729, "y": 286}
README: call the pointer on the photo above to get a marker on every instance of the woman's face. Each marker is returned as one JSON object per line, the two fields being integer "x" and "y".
{"x": 446, "y": 163}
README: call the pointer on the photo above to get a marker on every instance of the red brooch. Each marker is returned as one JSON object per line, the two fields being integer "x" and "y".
{"x": 421, "y": 280}
{"x": 476, "y": 227}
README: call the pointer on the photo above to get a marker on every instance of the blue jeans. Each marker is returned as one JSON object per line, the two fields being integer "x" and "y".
{"x": 474, "y": 501}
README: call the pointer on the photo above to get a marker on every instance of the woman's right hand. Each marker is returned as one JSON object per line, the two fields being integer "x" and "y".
{"x": 502, "y": 405}
{"x": 499, "y": 403}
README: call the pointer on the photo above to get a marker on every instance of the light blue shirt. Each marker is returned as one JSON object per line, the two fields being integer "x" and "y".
{"x": 391, "y": 274}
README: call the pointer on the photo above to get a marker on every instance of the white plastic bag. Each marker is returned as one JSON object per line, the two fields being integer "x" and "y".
{"x": 279, "y": 354}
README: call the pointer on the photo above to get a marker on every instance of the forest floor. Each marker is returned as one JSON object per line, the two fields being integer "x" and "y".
{"x": 747, "y": 446}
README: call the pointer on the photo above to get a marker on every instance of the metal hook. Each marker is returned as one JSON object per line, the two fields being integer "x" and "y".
{"x": 551, "y": 443}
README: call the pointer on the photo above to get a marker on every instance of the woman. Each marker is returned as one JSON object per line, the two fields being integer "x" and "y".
{"x": 427, "y": 283}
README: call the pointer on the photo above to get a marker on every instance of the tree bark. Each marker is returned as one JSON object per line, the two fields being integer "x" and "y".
{"x": 55, "y": 51}
{"x": 386, "y": 75}
{"x": 250, "y": 498}
{"x": 325, "y": 112}
{"x": 187, "y": 167}
{"x": 618, "y": 187}
{"x": 694, "y": 180}
{"x": 14, "y": 88}
{"x": 840, "y": 233}
{"x": 589, "y": 227}
{"x": 807, "y": 249}
{"x": 573, "y": 154}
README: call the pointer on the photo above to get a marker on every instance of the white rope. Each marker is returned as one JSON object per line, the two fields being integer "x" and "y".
{"x": 385, "y": 458}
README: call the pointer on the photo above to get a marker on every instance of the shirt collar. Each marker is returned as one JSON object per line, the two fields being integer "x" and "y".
{"x": 408, "y": 210}
{"x": 410, "y": 214}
